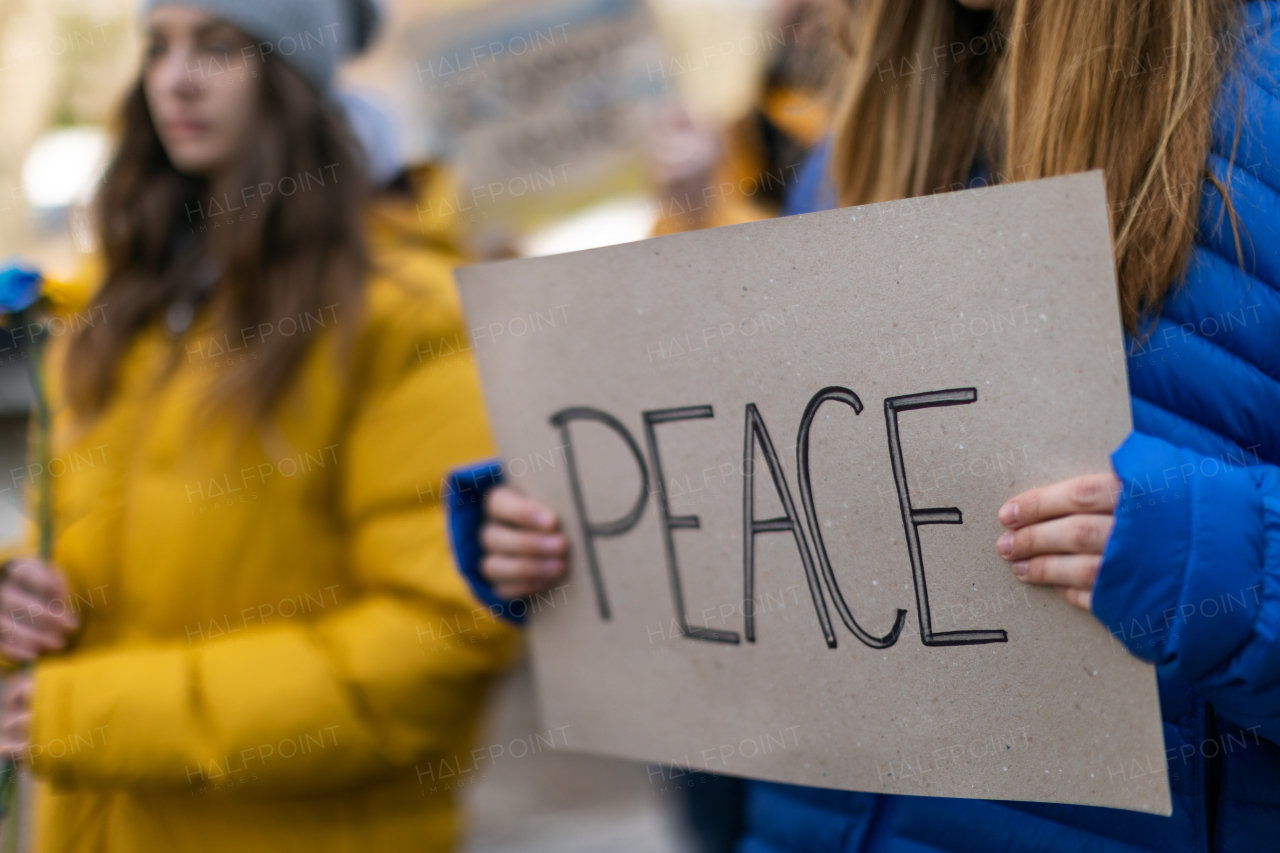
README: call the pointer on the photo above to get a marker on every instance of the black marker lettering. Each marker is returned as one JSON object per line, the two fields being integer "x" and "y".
{"x": 844, "y": 395}
{"x": 913, "y": 518}
{"x": 670, "y": 522}
{"x": 755, "y": 429}
{"x": 591, "y": 530}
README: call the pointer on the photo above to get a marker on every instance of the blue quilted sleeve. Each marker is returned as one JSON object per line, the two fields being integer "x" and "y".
{"x": 1190, "y": 579}
{"x": 464, "y": 503}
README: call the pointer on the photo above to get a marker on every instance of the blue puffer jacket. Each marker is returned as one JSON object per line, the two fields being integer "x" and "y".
{"x": 1191, "y": 576}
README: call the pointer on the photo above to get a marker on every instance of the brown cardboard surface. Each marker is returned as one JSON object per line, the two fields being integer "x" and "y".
{"x": 1003, "y": 297}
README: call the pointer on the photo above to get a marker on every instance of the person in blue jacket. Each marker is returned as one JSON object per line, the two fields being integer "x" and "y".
{"x": 1177, "y": 551}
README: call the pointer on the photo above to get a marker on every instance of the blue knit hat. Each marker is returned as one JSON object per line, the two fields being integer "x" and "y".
{"x": 313, "y": 35}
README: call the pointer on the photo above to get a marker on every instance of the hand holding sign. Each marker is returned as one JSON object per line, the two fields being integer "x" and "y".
{"x": 1058, "y": 533}
{"x": 524, "y": 550}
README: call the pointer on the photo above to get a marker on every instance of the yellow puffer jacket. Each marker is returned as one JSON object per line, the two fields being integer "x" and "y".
{"x": 275, "y": 633}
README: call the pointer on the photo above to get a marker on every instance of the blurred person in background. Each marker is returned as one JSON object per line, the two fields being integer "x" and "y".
{"x": 708, "y": 176}
{"x": 266, "y": 605}
{"x": 1179, "y": 104}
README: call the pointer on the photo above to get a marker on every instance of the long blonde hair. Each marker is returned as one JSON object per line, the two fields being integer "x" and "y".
{"x": 1036, "y": 89}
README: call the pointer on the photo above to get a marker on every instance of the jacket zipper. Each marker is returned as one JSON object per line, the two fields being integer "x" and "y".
{"x": 1212, "y": 774}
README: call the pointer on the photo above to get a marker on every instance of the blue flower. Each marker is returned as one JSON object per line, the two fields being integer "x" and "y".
{"x": 19, "y": 288}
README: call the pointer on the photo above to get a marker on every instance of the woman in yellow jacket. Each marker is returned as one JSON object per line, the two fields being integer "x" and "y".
{"x": 256, "y": 633}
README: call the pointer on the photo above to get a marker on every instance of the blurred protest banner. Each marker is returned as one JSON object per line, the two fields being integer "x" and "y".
{"x": 780, "y": 449}
{"x": 541, "y": 107}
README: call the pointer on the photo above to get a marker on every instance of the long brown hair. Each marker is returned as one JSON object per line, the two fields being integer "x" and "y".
{"x": 294, "y": 250}
{"x": 1036, "y": 89}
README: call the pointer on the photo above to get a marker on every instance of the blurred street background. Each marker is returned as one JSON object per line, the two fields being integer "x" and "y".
{"x": 523, "y": 127}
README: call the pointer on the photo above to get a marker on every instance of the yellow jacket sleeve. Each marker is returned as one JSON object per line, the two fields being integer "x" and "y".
{"x": 393, "y": 677}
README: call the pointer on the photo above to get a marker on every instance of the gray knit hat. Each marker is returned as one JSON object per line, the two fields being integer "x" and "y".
{"x": 313, "y": 35}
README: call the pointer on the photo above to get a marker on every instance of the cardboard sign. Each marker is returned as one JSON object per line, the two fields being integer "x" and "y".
{"x": 779, "y": 449}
